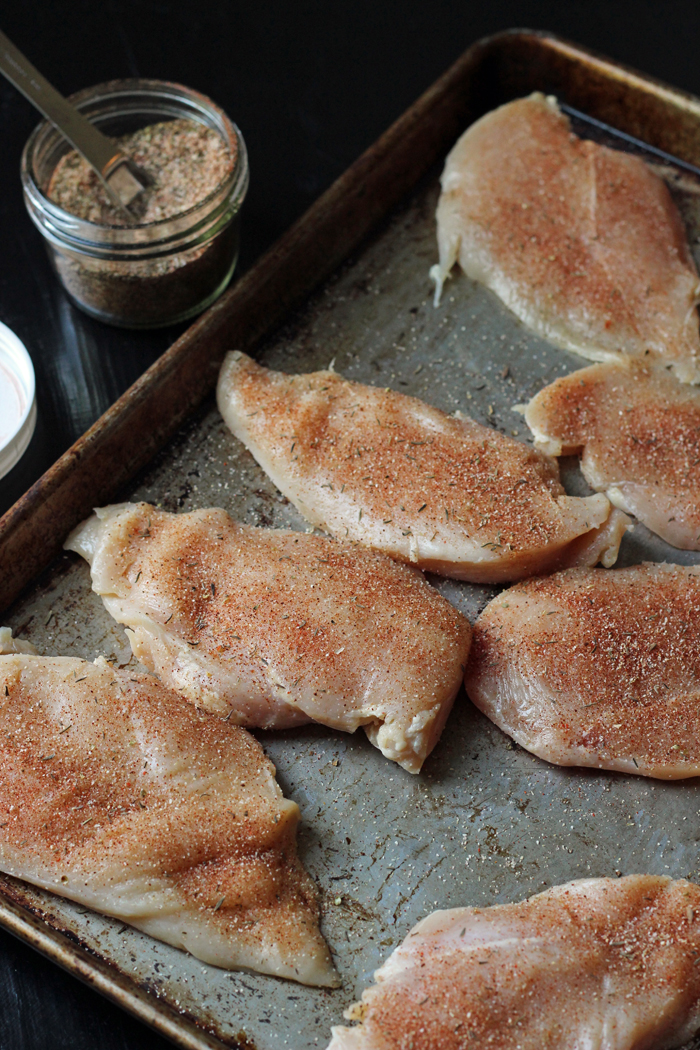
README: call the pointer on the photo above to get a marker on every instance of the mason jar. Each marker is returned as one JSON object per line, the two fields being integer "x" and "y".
{"x": 150, "y": 274}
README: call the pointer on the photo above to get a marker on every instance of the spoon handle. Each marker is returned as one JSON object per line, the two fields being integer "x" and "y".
{"x": 99, "y": 151}
{"x": 121, "y": 178}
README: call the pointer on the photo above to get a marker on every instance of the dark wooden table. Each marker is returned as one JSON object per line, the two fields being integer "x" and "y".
{"x": 311, "y": 84}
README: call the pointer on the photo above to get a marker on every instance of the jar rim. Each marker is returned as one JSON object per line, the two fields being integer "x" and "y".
{"x": 230, "y": 190}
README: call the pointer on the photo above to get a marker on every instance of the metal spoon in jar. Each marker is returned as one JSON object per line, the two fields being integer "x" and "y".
{"x": 123, "y": 180}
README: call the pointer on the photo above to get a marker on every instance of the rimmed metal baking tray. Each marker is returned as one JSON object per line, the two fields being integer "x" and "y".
{"x": 485, "y": 822}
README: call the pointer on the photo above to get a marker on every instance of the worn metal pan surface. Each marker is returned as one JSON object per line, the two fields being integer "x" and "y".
{"x": 485, "y": 822}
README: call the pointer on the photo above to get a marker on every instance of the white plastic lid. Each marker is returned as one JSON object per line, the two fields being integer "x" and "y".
{"x": 17, "y": 399}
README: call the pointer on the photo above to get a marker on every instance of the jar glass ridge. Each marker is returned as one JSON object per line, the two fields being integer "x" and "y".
{"x": 150, "y": 274}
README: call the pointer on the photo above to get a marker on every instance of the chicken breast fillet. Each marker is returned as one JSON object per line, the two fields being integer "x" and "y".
{"x": 595, "y": 668}
{"x": 275, "y": 628}
{"x": 445, "y": 494}
{"x": 119, "y": 794}
{"x": 638, "y": 432}
{"x": 583, "y": 243}
{"x": 597, "y": 964}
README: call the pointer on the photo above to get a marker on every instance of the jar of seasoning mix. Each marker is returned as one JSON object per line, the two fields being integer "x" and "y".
{"x": 180, "y": 254}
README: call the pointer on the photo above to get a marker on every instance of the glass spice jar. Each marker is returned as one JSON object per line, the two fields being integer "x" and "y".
{"x": 151, "y": 274}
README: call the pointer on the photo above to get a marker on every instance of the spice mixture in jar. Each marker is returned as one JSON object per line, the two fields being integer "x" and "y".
{"x": 180, "y": 251}
{"x": 185, "y": 160}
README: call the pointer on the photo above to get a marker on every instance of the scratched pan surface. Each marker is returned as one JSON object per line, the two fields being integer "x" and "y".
{"x": 485, "y": 822}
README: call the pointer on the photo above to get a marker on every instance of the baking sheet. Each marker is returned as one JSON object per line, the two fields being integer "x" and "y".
{"x": 486, "y": 822}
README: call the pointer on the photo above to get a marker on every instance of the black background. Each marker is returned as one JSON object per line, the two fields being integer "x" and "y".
{"x": 311, "y": 84}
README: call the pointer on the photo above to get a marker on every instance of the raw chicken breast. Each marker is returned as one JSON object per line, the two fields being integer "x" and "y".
{"x": 275, "y": 628}
{"x": 597, "y": 964}
{"x": 595, "y": 668}
{"x": 445, "y": 494}
{"x": 8, "y": 644}
{"x": 638, "y": 432}
{"x": 119, "y": 794}
{"x": 582, "y": 242}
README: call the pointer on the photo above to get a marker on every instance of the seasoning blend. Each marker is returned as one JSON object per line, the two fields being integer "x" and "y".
{"x": 181, "y": 252}
{"x": 17, "y": 400}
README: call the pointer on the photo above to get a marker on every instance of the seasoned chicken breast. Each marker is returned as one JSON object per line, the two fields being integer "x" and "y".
{"x": 119, "y": 794}
{"x": 275, "y": 628}
{"x": 582, "y": 242}
{"x": 594, "y": 668}
{"x": 597, "y": 964}
{"x": 445, "y": 494}
{"x": 638, "y": 432}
